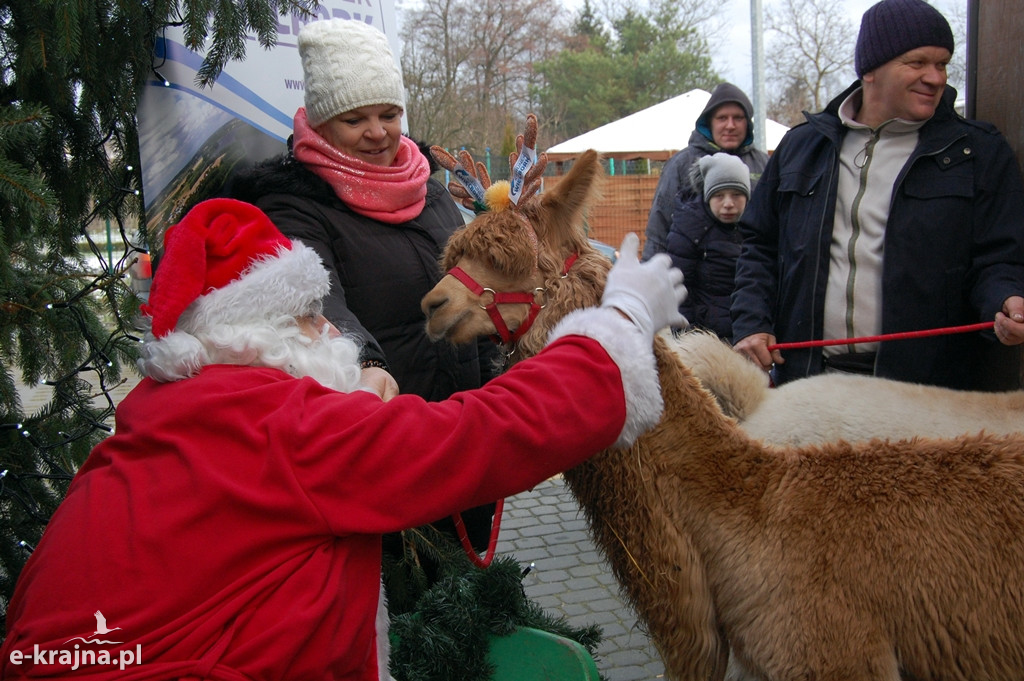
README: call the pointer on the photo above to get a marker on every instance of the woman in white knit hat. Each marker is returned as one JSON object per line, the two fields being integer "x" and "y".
{"x": 359, "y": 192}
{"x": 704, "y": 239}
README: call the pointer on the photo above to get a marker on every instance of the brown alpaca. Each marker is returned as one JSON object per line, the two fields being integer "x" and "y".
{"x": 853, "y": 562}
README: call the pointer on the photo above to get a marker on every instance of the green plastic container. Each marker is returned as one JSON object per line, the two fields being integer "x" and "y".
{"x": 534, "y": 655}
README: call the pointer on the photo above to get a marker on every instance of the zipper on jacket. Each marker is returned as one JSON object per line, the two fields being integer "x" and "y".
{"x": 826, "y": 187}
{"x": 864, "y": 163}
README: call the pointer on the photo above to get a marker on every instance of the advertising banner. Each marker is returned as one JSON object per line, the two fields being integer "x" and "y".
{"x": 191, "y": 139}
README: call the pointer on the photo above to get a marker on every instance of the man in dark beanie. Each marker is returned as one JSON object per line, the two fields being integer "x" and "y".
{"x": 893, "y": 27}
{"x": 725, "y": 125}
{"x": 888, "y": 213}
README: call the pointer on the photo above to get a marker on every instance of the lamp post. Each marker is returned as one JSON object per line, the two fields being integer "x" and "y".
{"x": 757, "y": 66}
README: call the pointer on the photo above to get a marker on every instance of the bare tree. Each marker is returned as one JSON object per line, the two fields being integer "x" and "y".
{"x": 788, "y": 107}
{"x": 433, "y": 59}
{"x": 811, "y": 49}
{"x": 468, "y": 65}
{"x": 957, "y": 69}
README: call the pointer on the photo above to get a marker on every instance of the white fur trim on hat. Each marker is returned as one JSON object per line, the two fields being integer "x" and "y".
{"x": 347, "y": 64}
{"x": 634, "y": 355}
{"x": 288, "y": 284}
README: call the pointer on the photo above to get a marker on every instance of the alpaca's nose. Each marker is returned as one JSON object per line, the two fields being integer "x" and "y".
{"x": 431, "y": 304}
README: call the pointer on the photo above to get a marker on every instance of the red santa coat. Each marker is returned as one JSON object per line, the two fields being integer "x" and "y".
{"x": 231, "y": 527}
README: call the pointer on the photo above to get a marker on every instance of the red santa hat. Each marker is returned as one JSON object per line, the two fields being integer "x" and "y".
{"x": 230, "y": 264}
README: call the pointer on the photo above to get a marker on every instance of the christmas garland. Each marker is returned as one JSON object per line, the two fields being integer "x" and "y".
{"x": 447, "y": 635}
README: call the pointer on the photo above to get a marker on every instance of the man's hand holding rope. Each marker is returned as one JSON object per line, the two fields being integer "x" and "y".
{"x": 1009, "y": 326}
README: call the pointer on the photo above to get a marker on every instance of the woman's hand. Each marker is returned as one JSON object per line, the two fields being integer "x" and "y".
{"x": 378, "y": 382}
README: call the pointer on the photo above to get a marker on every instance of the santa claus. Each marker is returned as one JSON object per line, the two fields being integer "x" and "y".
{"x": 230, "y": 528}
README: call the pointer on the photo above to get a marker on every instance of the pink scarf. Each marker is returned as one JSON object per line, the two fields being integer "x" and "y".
{"x": 392, "y": 194}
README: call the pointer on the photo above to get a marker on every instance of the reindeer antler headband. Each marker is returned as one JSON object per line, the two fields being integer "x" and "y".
{"x": 475, "y": 191}
{"x": 473, "y": 187}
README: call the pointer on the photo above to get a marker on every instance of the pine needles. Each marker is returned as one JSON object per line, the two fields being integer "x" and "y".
{"x": 446, "y": 636}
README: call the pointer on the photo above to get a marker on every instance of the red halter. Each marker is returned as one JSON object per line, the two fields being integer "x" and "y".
{"x": 505, "y": 337}
{"x": 536, "y": 299}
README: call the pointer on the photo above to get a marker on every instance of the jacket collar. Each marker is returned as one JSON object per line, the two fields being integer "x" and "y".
{"x": 934, "y": 135}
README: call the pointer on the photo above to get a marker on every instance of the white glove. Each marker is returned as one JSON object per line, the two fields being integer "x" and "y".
{"x": 649, "y": 293}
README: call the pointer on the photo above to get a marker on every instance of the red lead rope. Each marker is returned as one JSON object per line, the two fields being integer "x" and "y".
{"x": 460, "y": 528}
{"x": 506, "y": 337}
{"x": 799, "y": 345}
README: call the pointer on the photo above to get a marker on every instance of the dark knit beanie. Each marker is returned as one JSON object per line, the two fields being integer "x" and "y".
{"x": 891, "y": 27}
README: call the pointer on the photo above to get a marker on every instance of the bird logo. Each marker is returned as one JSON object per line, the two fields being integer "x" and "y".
{"x": 101, "y": 630}
{"x": 101, "y": 624}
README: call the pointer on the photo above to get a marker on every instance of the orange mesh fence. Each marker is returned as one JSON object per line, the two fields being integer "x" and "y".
{"x": 622, "y": 208}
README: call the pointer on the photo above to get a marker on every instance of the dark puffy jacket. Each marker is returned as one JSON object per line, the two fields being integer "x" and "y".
{"x": 675, "y": 175}
{"x": 954, "y": 250}
{"x": 379, "y": 272}
{"x": 706, "y": 250}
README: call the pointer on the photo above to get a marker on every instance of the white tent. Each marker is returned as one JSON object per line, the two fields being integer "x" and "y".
{"x": 655, "y": 133}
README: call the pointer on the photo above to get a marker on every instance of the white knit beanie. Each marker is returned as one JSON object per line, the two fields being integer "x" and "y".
{"x": 346, "y": 64}
{"x": 724, "y": 171}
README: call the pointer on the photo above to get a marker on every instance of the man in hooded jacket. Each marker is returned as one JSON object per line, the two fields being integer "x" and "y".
{"x": 725, "y": 125}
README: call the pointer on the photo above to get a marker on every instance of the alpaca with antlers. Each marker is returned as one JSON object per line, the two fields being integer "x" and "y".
{"x": 881, "y": 560}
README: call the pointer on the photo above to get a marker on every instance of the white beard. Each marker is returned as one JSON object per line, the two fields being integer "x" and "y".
{"x": 279, "y": 344}
{"x": 332, "y": 362}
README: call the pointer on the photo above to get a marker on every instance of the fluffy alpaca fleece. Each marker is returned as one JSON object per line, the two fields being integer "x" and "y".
{"x": 833, "y": 407}
{"x": 625, "y": 345}
{"x": 843, "y": 561}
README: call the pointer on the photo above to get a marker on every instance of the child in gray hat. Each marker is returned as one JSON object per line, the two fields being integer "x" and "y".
{"x": 704, "y": 241}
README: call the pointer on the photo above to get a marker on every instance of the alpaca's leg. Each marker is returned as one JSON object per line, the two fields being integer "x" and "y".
{"x": 736, "y": 671}
{"x": 854, "y": 660}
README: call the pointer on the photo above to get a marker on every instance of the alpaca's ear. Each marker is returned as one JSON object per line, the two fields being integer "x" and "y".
{"x": 562, "y": 206}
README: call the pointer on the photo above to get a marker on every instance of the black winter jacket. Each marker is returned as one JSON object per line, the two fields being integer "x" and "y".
{"x": 705, "y": 249}
{"x": 379, "y": 273}
{"x": 954, "y": 250}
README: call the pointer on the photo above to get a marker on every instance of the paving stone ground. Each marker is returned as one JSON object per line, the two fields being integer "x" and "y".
{"x": 570, "y": 577}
